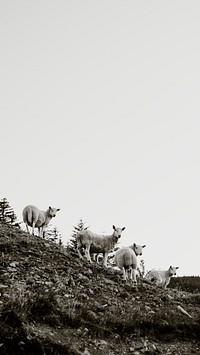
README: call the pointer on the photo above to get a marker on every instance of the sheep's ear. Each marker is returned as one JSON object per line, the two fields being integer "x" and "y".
{"x": 114, "y": 227}
{"x": 50, "y": 208}
{"x": 170, "y": 267}
{"x": 123, "y": 228}
{"x": 134, "y": 245}
{"x": 58, "y": 209}
{"x": 177, "y": 267}
{"x": 143, "y": 246}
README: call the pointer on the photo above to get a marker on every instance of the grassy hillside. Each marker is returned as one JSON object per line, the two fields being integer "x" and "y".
{"x": 53, "y": 303}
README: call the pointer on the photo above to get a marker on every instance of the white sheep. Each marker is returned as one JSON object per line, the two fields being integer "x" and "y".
{"x": 34, "y": 217}
{"x": 126, "y": 259}
{"x": 95, "y": 243}
{"x": 161, "y": 277}
{"x": 137, "y": 248}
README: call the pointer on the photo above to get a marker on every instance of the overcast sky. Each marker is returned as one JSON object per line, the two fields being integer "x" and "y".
{"x": 100, "y": 117}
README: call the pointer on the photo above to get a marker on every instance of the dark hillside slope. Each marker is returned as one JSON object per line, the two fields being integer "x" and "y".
{"x": 53, "y": 303}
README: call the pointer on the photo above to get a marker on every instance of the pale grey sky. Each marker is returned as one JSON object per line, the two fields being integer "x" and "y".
{"x": 100, "y": 117}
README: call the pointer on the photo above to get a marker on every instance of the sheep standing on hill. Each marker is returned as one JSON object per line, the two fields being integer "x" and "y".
{"x": 161, "y": 277}
{"x": 95, "y": 243}
{"x": 126, "y": 259}
{"x": 36, "y": 218}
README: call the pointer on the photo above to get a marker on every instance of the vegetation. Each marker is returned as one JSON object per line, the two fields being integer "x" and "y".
{"x": 186, "y": 283}
{"x": 53, "y": 234}
{"x": 79, "y": 227}
{"x": 7, "y": 214}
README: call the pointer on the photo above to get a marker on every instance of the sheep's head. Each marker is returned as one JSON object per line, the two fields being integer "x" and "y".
{"x": 172, "y": 270}
{"x": 118, "y": 232}
{"x": 53, "y": 211}
{"x": 138, "y": 249}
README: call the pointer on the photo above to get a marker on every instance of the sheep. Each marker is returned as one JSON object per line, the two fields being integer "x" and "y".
{"x": 34, "y": 217}
{"x": 137, "y": 248}
{"x": 94, "y": 243}
{"x": 161, "y": 277}
{"x": 126, "y": 259}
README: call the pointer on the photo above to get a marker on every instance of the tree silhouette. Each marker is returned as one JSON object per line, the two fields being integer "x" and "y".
{"x": 7, "y": 214}
{"x": 54, "y": 235}
{"x": 79, "y": 227}
{"x": 141, "y": 268}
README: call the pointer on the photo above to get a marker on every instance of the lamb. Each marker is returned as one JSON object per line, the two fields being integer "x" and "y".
{"x": 162, "y": 277}
{"x": 126, "y": 259}
{"x": 34, "y": 217}
{"x": 137, "y": 248}
{"x": 94, "y": 243}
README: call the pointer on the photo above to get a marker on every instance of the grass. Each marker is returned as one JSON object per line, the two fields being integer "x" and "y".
{"x": 26, "y": 306}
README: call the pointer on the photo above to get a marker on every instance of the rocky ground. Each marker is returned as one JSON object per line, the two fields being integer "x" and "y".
{"x": 53, "y": 303}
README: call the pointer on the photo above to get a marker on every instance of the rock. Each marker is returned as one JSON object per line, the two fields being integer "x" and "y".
{"x": 109, "y": 282}
{"x": 91, "y": 291}
{"x": 14, "y": 264}
{"x": 88, "y": 272}
{"x": 90, "y": 315}
{"x": 101, "y": 343}
{"x": 86, "y": 352}
{"x": 82, "y": 277}
{"x": 131, "y": 349}
{"x": 139, "y": 346}
{"x": 11, "y": 269}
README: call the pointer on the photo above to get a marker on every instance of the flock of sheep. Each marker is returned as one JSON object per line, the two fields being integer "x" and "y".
{"x": 125, "y": 258}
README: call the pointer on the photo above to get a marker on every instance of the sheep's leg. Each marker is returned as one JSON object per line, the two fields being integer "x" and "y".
{"x": 105, "y": 259}
{"x": 124, "y": 274}
{"x": 79, "y": 246}
{"x": 41, "y": 232}
{"x": 95, "y": 257}
{"x": 79, "y": 253}
{"x": 134, "y": 276}
{"x": 98, "y": 256}
{"x": 33, "y": 227}
{"x": 165, "y": 285}
{"x": 87, "y": 253}
{"x": 131, "y": 274}
{"x": 27, "y": 228}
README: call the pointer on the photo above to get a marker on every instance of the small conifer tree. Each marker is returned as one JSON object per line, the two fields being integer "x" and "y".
{"x": 53, "y": 235}
{"x": 7, "y": 214}
{"x": 79, "y": 227}
{"x": 141, "y": 268}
